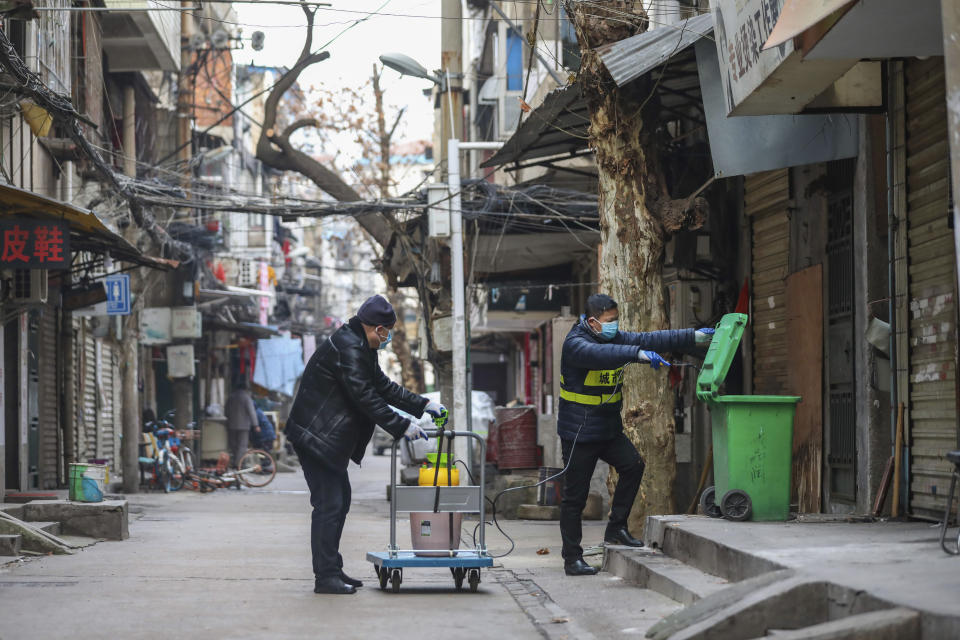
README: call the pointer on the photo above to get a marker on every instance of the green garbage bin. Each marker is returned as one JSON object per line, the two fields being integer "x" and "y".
{"x": 752, "y": 438}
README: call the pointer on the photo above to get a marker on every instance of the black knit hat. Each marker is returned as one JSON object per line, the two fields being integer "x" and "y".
{"x": 377, "y": 312}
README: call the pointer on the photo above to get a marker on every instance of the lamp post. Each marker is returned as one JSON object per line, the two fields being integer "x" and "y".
{"x": 410, "y": 67}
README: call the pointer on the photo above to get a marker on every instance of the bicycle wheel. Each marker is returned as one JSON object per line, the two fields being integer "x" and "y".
{"x": 175, "y": 475}
{"x": 256, "y": 468}
{"x": 162, "y": 472}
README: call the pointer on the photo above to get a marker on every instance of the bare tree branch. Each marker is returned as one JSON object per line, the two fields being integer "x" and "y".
{"x": 277, "y": 152}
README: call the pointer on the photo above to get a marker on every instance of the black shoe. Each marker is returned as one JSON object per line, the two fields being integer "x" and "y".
{"x": 622, "y": 536}
{"x": 353, "y": 582}
{"x": 579, "y": 568}
{"x": 332, "y": 585}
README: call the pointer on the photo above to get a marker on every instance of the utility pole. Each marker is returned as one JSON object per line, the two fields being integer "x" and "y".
{"x": 451, "y": 69}
{"x": 950, "y": 14}
{"x": 185, "y": 94}
{"x": 451, "y": 127}
{"x": 131, "y": 426}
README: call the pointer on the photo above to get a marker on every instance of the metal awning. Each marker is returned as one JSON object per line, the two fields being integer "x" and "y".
{"x": 557, "y": 129}
{"x": 839, "y": 29}
{"x": 246, "y": 328}
{"x": 87, "y": 231}
{"x": 628, "y": 59}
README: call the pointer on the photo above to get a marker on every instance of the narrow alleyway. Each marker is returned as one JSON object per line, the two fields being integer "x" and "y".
{"x": 237, "y": 565}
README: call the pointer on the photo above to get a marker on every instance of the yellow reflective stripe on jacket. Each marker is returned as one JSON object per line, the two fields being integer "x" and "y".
{"x": 583, "y": 398}
{"x": 607, "y": 378}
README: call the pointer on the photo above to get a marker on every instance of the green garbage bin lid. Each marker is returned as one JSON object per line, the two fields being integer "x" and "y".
{"x": 722, "y": 350}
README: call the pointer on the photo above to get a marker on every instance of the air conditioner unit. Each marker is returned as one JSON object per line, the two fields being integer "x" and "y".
{"x": 29, "y": 286}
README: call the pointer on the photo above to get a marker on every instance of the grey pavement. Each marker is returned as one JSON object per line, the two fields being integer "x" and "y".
{"x": 236, "y": 564}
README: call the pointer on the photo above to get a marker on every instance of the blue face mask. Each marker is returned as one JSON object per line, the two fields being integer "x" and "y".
{"x": 608, "y": 330}
{"x": 384, "y": 343}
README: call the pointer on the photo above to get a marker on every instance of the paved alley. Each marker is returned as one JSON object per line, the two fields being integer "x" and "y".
{"x": 237, "y": 565}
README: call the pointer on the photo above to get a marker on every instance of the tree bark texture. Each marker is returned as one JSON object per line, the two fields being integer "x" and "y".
{"x": 636, "y": 216}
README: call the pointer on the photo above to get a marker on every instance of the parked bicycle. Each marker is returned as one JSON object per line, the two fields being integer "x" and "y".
{"x": 166, "y": 465}
{"x": 256, "y": 469}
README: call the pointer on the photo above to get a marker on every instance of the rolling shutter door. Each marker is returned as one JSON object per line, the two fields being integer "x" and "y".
{"x": 766, "y": 196}
{"x": 85, "y": 366}
{"x": 49, "y": 399}
{"x": 107, "y": 444}
{"x": 931, "y": 276}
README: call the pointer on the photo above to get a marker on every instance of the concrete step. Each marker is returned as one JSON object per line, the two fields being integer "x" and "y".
{"x": 705, "y": 553}
{"x": 9, "y": 545}
{"x": 49, "y": 527}
{"x": 890, "y": 624}
{"x": 106, "y": 520}
{"x": 13, "y": 509}
{"x": 651, "y": 569}
{"x": 538, "y": 512}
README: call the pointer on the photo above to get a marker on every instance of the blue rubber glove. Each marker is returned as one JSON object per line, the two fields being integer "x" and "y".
{"x": 654, "y": 359}
{"x": 437, "y": 410}
{"x": 414, "y": 432}
{"x": 704, "y": 336}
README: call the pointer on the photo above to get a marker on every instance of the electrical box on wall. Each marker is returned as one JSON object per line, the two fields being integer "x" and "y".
{"x": 690, "y": 303}
{"x": 438, "y": 211}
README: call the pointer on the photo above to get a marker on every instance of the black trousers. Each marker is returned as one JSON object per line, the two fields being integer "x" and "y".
{"x": 330, "y": 498}
{"x": 620, "y": 454}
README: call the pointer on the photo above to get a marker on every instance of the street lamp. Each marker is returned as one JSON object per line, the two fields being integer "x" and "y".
{"x": 409, "y": 67}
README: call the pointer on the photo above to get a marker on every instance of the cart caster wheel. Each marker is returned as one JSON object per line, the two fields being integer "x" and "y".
{"x": 708, "y": 503}
{"x": 384, "y": 576}
{"x": 736, "y": 505}
{"x": 396, "y": 577}
{"x": 458, "y": 575}
{"x": 474, "y": 579}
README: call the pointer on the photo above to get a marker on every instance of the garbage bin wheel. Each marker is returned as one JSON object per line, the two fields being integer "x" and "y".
{"x": 396, "y": 577}
{"x": 736, "y": 505}
{"x": 708, "y": 503}
{"x": 384, "y": 577}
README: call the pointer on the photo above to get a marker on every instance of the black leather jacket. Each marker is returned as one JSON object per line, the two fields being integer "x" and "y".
{"x": 343, "y": 394}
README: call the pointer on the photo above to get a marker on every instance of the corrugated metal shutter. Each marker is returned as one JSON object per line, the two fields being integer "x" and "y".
{"x": 49, "y": 399}
{"x": 931, "y": 272}
{"x": 85, "y": 362}
{"x": 105, "y": 415}
{"x": 766, "y": 196}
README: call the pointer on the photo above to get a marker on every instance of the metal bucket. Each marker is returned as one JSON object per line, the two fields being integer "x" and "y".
{"x": 432, "y": 531}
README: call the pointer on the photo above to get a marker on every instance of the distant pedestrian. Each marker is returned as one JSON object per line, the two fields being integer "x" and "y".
{"x": 264, "y": 433}
{"x": 241, "y": 417}
{"x": 343, "y": 395}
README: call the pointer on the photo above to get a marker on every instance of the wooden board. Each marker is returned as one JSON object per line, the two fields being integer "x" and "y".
{"x": 805, "y": 378}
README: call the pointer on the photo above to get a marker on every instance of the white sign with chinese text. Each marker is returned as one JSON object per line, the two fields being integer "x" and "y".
{"x": 155, "y": 323}
{"x": 187, "y": 322}
{"x": 741, "y": 27}
{"x": 180, "y": 361}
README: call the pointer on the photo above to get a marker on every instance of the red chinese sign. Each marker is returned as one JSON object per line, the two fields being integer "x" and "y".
{"x": 34, "y": 245}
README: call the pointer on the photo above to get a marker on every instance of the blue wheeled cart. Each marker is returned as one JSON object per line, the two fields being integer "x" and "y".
{"x": 463, "y": 563}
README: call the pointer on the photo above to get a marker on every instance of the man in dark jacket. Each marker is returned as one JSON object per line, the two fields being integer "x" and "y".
{"x": 588, "y": 420}
{"x": 343, "y": 394}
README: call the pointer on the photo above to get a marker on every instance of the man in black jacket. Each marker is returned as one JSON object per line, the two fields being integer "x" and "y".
{"x": 343, "y": 395}
{"x": 588, "y": 420}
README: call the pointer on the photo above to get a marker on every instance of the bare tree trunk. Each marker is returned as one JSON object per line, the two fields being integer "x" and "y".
{"x": 411, "y": 370}
{"x": 636, "y": 217}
